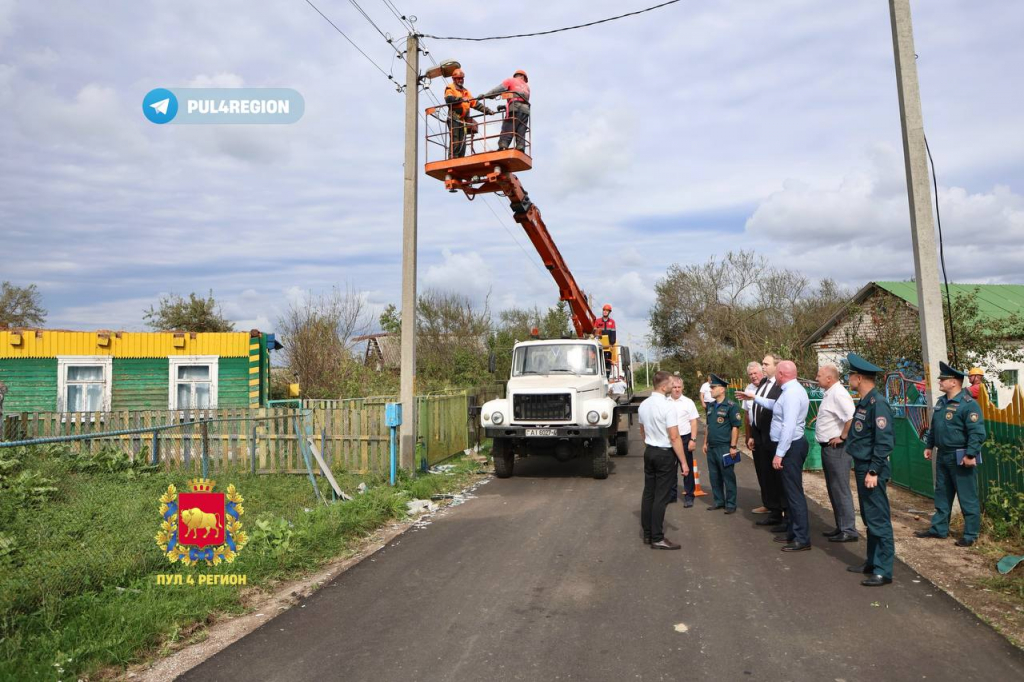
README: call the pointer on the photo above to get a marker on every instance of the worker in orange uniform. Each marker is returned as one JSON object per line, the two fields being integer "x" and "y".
{"x": 977, "y": 377}
{"x": 606, "y": 325}
{"x": 517, "y": 117}
{"x": 460, "y": 101}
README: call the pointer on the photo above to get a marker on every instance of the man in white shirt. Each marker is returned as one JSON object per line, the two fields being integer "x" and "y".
{"x": 688, "y": 416}
{"x": 830, "y": 428}
{"x": 617, "y": 388}
{"x": 705, "y": 395}
{"x": 659, "y": 427}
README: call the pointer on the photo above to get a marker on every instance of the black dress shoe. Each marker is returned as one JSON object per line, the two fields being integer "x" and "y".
{"x": 687, "y": 504}
{"x": 731, "y": 511}
{"x": 781, "y": 528}
{"x": 844, "y": 537}
{"x": 647, "y": 539}
{"x": 831, "y": 533}
{"x": 876, "y": 581}
{"x": 664, "y": 544}
{"x": 861, "y": 568}
{"x": 928, "y": 534}
{"x": 782, "y": 539}
{"x": 794, "y": 547}
{"x": 770, "y": 521}
{"x": 715, "y": 507}
{"x": 962, "y": 542}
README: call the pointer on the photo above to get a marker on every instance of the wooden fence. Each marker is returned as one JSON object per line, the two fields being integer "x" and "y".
{"x": 350, "y": 433}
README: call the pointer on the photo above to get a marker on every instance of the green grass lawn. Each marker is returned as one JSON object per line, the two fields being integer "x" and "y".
{"x": 79, "y": 560}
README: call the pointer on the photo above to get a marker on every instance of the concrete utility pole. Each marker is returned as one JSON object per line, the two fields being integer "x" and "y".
{"x": 407, "y": 457}
{"x": 922, "y": 225}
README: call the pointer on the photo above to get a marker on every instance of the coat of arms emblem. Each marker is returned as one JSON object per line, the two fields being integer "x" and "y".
{"x": 201, "y": 525}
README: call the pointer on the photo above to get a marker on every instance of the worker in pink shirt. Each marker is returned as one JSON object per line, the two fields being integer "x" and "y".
{"x": 517, "y": 117}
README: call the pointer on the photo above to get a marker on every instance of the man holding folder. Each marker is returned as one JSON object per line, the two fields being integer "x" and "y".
{"x": 955, "y": 439}
{"x": 724, "y": 421}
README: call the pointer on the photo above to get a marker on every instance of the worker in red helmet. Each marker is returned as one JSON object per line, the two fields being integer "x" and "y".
{"x": 460, "y": 101}
{"x": 517, "y": 117}
{"x": 606, "y": 325}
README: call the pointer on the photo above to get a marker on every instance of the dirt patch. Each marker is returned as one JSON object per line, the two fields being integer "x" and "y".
{"x": 960, "y": 572}
{"x": 222, "y": 631}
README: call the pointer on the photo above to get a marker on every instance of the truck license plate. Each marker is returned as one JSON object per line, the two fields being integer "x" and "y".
{"x": 540, "y": 432}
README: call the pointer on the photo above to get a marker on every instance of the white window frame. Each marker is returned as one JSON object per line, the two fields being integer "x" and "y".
{"x": 175, "y": 361}
{"x": 65, "y": 361}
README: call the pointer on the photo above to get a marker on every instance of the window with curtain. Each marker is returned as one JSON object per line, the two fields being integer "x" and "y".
{"x": 84, "y": 387}
{"x": 193, "y": 387}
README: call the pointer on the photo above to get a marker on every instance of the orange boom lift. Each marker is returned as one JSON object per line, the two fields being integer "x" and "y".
{"x": 491, "y": 170}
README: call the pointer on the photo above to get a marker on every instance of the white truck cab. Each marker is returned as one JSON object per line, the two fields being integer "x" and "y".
{"x": 557, "y": 403}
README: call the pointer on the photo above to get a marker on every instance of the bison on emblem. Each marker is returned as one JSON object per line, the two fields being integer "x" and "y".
{"x": 196, "y": 519}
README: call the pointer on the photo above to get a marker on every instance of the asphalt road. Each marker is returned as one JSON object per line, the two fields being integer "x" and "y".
{"x": 544, "y": 577}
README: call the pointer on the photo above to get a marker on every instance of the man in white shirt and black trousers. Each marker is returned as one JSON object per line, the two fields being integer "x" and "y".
{"x": 659, "y": 427}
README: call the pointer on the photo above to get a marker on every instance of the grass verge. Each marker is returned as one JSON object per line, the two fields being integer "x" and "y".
{"x": 79, "y": 561}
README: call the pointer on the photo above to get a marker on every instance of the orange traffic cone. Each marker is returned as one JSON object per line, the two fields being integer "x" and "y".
{"x": 697, "y": 492}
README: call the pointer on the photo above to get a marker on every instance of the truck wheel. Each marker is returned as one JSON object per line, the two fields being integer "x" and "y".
{"x": 622, "y": 444}
{"x": 504, "y": 458}
{"x": 599, "y": 455}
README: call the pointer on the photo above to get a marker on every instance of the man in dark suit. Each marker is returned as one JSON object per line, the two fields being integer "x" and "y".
{"x": 764, "y": 450}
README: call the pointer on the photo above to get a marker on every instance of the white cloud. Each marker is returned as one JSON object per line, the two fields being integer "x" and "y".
{"x": 222, "y": 79}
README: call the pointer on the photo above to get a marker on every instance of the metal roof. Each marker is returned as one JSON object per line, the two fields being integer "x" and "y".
{"x": 995, "y": 301}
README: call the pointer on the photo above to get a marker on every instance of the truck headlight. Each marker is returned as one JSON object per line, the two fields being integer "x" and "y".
{"x": 497, "y": 418}
{"x": 593, "y": 417}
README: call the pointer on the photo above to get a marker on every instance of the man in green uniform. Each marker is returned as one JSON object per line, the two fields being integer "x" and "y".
{"x": 869, "y": 442}
{"x": 724, "y": 421}
{"x": 955, "y": 439}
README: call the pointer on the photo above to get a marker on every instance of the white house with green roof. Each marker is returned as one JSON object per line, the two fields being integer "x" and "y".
{"x": 995, "y": 301}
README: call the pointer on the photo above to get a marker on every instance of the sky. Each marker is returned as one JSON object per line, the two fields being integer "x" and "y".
{"x": 663, "y": 138}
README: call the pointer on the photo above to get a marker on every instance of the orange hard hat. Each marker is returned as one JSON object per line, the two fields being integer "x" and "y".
{"x": 520, "y": 72}
{"x": 607, "y": 306}
{"x": 458, "y": 73}
{"x": 976, "y": 371}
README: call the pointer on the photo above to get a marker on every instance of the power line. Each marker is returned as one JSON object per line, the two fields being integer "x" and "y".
{"x": 377, "y": 66}
{"x": 558, "y": 30}
{"x": 942, "y": 255}
{"x": 521, "y": 248}
{"x": 406, "y": 21}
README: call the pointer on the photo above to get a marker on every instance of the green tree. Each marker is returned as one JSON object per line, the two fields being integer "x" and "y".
{"x": 718, "y": 315}
{"x": 20, "y": 306}
{"x": 194, "y": 314}
{"x": 391, "y": 320}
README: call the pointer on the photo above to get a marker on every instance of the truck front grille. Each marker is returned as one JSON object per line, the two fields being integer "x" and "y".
{"x": 542, "y": 407}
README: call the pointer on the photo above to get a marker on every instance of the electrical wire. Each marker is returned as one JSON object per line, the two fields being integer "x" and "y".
{"x": 406, "y": 21}
{"x": 558, "y": 30}
{"x": 377, "y": 66}
{"x": 942, "y": 256}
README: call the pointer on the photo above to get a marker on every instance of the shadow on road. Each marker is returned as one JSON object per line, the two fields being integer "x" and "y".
{"x": 543, "y": 466}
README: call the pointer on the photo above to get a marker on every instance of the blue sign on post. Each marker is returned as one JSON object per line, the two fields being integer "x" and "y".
{"x": 393, "y": 414}
{"x": 393, "y": 419}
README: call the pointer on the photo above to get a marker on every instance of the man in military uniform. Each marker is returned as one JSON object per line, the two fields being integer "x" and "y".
{"x": 724, "y": 421}
{"x": 869, "y": 441}
{"x": 955, "y": 439}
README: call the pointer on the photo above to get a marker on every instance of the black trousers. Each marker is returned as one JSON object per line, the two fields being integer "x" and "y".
{"x": 457, "y": 128}
{"x": 793, "y": 483}
{"x": 513, "y": 128}
{"x": 772, "y": 494}
{"x": 688, "y": 485}
{"x": 659, "y": 474}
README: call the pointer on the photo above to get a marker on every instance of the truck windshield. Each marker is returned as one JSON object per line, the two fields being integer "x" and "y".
{"x": 581, "y": 358}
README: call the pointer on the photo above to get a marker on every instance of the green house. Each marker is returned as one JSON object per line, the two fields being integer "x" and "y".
{"x": 69, "y": 371}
